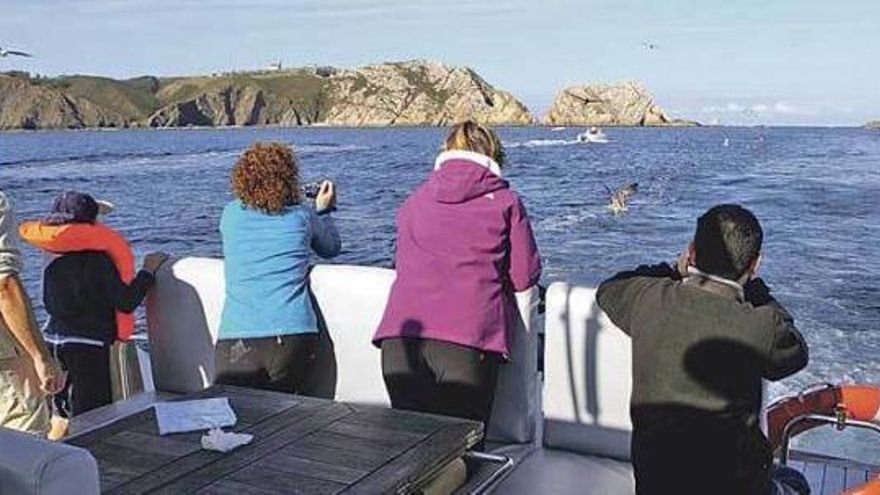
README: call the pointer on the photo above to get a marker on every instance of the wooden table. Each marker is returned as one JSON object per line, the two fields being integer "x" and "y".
{"x": 301, "y": 445}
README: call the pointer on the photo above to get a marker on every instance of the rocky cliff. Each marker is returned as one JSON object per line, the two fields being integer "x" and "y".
{"x": 874, "y": 124}
{"x": 28, "y": 105}
{"x": 623, "y": 104}
{"x": 404, "y": 93}
{"x": 417, "y": 93}
{"x": 224, "y": 105}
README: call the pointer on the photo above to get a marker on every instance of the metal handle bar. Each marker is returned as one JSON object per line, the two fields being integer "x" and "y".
{"x": 840, "y": 422}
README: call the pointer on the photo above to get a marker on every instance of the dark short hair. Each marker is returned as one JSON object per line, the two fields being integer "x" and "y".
{"x": 727, "y": 241}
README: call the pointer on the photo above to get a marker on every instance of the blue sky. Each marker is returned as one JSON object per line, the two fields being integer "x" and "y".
{"x": 737, "y": 61}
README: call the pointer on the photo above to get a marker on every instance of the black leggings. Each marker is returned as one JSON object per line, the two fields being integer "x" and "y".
{"x": 88, "y": 378}
{"x": 440, "y": 377}
{"x": 280, "y": 364}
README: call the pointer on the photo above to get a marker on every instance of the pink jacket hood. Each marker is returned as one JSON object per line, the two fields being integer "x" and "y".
{"x": 460, "y": 176}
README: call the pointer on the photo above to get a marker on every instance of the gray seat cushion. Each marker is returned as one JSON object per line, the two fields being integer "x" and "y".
{"x": 559, "y": 471}
{"x": 33, "y": 466}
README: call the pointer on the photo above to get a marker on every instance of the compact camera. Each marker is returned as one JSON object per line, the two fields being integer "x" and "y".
{"x": 311, "y": 189}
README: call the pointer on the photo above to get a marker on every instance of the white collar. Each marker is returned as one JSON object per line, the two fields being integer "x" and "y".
{"x": 715, "y": 278}
{"x": 471, "y": 156}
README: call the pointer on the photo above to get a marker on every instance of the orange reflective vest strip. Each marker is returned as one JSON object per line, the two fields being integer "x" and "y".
{"x": 74, "y": 237}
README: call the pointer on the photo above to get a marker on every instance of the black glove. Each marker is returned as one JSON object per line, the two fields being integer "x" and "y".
{"x": 756, "y": 292}
{"x": 660, "y": 270}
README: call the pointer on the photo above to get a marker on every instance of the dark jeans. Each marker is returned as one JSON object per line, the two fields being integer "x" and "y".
{"x": 440, "y": 377}
{"x": 88, "y": 378}
{"x": 280, "y": 364}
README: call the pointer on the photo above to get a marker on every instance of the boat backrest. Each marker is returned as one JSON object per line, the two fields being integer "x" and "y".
{"x": 516, "y": 412}
{"x": 33, "y": 466}
{"x": 587, "y": 373}
{"x": 350, "y": 300}
{"x": 183, "y": 315}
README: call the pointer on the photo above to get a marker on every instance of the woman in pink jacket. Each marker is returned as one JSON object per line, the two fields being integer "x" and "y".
{"x": 464, "y": 246}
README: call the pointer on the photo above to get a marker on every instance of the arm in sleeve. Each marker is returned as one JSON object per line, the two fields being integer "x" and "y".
{"x": 16, "y": 312}
{"x": 525, "y": 261}
{"x": 325, "y": 238}
{"x": 17, "y": 315}
{"x": 788, "y": 351}
{"x": 619, "y": 295}
{"x": 10, "y": 256}
{"x": 126, "y": 297}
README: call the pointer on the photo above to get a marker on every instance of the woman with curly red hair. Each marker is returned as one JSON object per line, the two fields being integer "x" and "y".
{"x": 268, "y": 328}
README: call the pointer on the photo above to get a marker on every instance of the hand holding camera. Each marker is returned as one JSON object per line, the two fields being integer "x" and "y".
{"x": 325, "y": 198}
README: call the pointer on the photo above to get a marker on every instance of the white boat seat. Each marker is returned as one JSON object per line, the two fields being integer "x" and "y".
{"x": 587, "y": 382}
{"x": 33, "y": 466}
{"x": 588, "y": 376}
{"x": 183, "y": 316}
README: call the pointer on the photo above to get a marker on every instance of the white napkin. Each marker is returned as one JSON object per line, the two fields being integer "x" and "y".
{"x": 194, "y": 415}
{"x": 222, "y": 441}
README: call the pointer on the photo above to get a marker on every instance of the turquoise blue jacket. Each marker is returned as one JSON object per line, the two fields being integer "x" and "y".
{"x": 267, "y": 262}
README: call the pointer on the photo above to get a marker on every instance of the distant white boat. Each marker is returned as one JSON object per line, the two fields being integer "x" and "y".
{"x": 726, "y": 142}
{"x": 555, "y": 129}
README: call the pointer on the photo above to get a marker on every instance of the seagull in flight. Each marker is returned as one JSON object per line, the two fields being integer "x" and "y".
{"x": 5, "y": 53}
{"x": 650, "y": 46}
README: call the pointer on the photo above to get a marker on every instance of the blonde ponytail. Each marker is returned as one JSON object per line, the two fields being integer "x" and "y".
{"x": 471, "y": 136}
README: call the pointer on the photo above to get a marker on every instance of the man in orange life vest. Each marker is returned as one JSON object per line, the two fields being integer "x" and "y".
{"x": 82, "y": 291}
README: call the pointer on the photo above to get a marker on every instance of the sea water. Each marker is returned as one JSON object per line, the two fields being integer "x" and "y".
{"x": 815, "y": 190}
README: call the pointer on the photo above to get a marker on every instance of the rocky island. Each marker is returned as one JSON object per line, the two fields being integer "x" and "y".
{"x": 412, "y": 93}
{"x": 622, "y": 104}
{"x": 874, "y": 124}
{"x": 402, "y": 93}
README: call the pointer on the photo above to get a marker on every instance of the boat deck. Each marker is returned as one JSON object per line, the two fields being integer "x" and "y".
{"x": 300, "y": 445}
{"x": 826, "y": 475}
{"x": 831, "y": 476}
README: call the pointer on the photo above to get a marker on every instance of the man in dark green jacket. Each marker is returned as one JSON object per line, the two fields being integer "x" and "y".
{"x": 704, "y": 335}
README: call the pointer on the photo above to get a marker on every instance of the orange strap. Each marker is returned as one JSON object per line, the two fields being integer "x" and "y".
{"x": 75, "y": 237}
